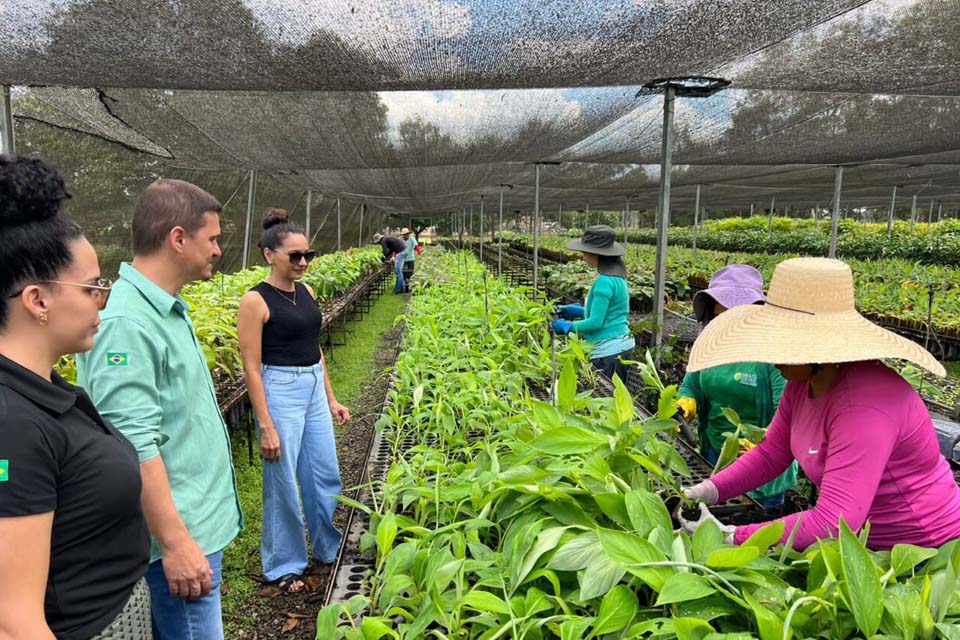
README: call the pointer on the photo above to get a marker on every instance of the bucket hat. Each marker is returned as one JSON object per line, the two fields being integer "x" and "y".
{"x": 809, "y": 318}
{"x": 404, "y": 231}
{"x": 377, "y": 237}
{"x": 598, "y": 239}
{"x": 732, "y": 286}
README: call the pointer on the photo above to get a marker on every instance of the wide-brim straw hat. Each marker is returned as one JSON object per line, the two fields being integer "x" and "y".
{"x": 809, "y": 318}
{"x": 598, "y": 239}
{"x": 404, "y": 231}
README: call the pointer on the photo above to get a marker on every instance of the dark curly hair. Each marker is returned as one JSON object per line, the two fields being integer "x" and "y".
{"x": 276, "y": 228}
{"x": 34, "y": 228}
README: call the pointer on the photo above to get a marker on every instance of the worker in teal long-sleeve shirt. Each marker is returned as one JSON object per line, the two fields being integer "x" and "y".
{"x": 602, "y": 321}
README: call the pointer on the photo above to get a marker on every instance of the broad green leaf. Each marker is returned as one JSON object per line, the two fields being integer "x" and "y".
{"x": 546, "y": 541}
{"x": 943, "y": 585}
{"x": 624, "y": 403}
{"x": 546, "y": 415}
{"x": 601, "y": 575}
{"x": 732, "y": 557}
{"x": 728, "y": 452}
{"x": 417, "y": 396}
{"x": 902, "y": 605}
{"x": 617, "y": 610}
{"x": 767, "y": 536}
{"x": 614, "y": 506}
{"x": 386, "y": 532}
{"x": 375, "y": 628}
{"x": 691, "y": 628}
{"x": 706, "y": 539}
{"x": 485, "y": 601}
{"x": 904, "y": 557}
{"x": 732, "y": 416}
{"x": 575, "y": 629}
{"x": 646, "y": 511}
{"x": 567, "y": 387}
{"x": 681, "y": 587}
{"x": 949, "y": 631}
{"x": 576, "y": 553}
{"x": 667, "y": 403}
{"x": 769, "y": 624}
{"x": 628, "y": 550}
{"x": 569, "y": 441}
{"x": 863, "y": 588}
{"x": 327, "y": 621}
{"x": 569, "y": 513}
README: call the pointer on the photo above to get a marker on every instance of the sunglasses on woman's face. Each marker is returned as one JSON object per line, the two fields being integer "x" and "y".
{"x": 297, "y": 256}
{"x": 100, "y": 291}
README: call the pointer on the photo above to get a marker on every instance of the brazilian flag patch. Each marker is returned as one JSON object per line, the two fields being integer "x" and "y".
{"x": 116, "y": 359}
{"x": 4, "y": 470}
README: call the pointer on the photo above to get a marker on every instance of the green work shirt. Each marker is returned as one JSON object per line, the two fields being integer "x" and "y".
{"x": 148, "y": 376}
{"x": 753, "y": 390}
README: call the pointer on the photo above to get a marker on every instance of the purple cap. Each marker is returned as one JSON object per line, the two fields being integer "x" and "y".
{"x": 731, "y": 286}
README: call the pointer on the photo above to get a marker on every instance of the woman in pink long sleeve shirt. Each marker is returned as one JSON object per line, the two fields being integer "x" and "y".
{"x": 868, "y": 444}
{"x": 859, "y": 431}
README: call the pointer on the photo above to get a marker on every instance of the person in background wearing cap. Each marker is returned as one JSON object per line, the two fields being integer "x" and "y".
{"x": 860, "y": 432}
{"x": 752, "y": 389}
{"x": 411, "y": 251}
{"x": 602, "y": 320}
{"x": 393, "y": 248}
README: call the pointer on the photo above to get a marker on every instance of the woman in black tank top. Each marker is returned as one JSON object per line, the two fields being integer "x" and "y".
{"x": 294, "y": 405}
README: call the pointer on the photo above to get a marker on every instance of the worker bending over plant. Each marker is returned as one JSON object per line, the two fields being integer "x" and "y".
{"x": 860, "y": 432}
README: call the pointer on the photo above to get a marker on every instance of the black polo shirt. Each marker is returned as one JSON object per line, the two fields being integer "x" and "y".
{"x": 57, "y": 454}
{"x": 392, "y": 245}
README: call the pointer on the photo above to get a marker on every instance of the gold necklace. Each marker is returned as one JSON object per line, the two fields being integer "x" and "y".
{"x": 283, "y": 294}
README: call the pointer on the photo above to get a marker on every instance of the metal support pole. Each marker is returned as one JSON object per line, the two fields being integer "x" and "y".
{"x": 772, "y": 203}
{"x": 751, "y": 209}
{"x": 913, "y": 213}
{"x": 463, "y": 221}
{"x": 893, "y": 207}
{"x": 251, "y": 197}
{"x": 363, "y": 209}
{"x": 500, "y": 236}
{"x": 338, "y": 224}
{"x": 481, "y": 228}
{"x": 7, "y": 141}
{"x": 309, "y": 203}
{"x": 930, "y": 215}
{"x": 940, "y": 211}
{"x": 837, "y": 185}
{"x": 626, "y": 219}
{"x": 663, "y": 219}
{"x": 696, "y": 220}
{"x": 470, "y": 232}
{"x": 560, "y": 218}
{"x": 536, "y": 228}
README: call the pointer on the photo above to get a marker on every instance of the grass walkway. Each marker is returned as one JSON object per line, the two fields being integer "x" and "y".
{"x": 350, "y": 367}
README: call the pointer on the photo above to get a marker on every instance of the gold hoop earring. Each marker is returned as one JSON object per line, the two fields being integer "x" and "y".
{"x": 43, "y": 318}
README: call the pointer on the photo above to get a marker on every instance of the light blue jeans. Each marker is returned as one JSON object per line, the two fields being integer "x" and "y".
{"x": 298, "y": 407}
{"x": 400, "y": 287}
{"x": 176, "y": 618}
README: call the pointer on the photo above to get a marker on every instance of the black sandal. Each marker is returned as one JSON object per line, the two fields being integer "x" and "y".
{"x": 286, "y": 583}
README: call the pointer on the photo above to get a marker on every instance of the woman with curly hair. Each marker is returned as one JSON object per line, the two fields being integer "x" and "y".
{"x": 74, "y": 545}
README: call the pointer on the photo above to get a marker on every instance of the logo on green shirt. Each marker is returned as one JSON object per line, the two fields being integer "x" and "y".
{"x": 116, "y": 359}
{"x": 4, "y": 470}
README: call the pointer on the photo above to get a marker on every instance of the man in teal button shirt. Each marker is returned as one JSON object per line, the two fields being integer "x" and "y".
{"x": 148, "y": 376}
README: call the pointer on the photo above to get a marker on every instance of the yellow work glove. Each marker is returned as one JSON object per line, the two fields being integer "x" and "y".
{"x": 688, "y": 406}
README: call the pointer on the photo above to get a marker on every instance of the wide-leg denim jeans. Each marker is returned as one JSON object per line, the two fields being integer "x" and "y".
{"x": 298, "y": 407}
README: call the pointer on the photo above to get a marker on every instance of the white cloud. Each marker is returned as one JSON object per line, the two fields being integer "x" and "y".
{"x": 469, "y": 115}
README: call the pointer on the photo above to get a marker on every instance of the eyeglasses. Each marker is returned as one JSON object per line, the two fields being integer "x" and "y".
{"x": 297, "y": 256}
{"x": 101, "y": 290}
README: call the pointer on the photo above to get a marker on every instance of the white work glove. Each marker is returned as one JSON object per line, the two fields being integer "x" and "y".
{"x": 706, "y": 491}
{"x": 690, "y": 526}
